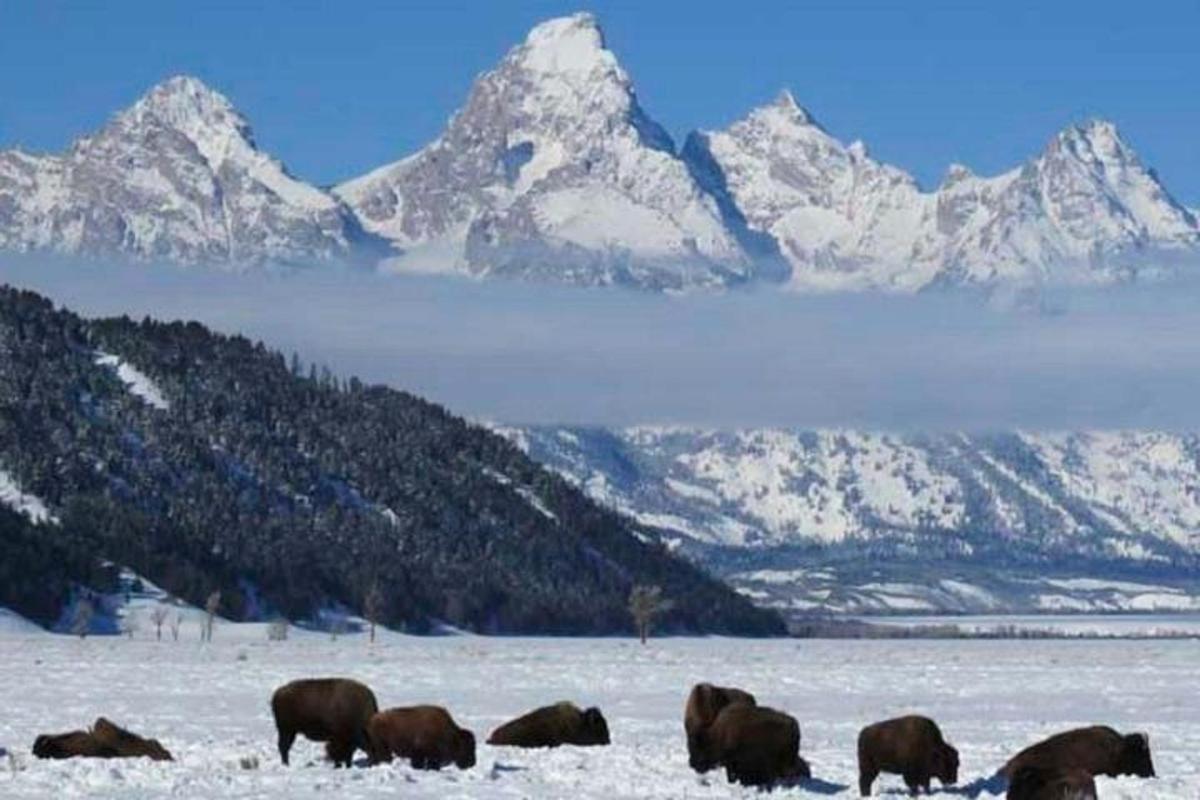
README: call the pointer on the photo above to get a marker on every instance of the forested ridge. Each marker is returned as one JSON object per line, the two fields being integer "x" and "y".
{"x": 291, "y": 490}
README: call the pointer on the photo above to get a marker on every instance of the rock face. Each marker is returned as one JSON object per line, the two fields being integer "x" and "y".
{"x": 852, "y": 521}
{"x": 1085, "y": 210}
{"x": 176, "y": 177}
{"x": 552, "y": 171}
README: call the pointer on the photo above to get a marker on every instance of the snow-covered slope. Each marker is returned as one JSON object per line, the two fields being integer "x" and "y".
{"x": 845, "y": 520}
{"x": 1085, "y": 210}
{"x": 553, "y": 171}
{"x": 176, "y": 176}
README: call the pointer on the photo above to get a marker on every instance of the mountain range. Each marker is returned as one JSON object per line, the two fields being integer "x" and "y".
{"x": 204, "y": 462}
{"x": 553, "y": 171}
{"x": 846, "y": 521}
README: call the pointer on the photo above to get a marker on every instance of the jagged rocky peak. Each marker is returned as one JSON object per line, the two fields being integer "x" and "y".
{"x": 176, "y": 176}
{"x": 552, "y": 171}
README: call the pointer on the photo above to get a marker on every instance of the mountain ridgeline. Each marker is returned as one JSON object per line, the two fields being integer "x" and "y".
{"x": 206, "y": 462}
{"x": 553, "y": 170}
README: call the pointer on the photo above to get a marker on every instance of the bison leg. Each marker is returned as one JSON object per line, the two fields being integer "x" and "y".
{"x": 913, "y": 782}
{"x": 286, "y": 738}
{"x": 866, "y": 778}
{"x": 340, "y": 752}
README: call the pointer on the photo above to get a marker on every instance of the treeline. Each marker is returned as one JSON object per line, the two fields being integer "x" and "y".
{"x": 290, "y": 490}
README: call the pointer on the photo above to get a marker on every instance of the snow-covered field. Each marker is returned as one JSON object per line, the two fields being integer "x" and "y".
{"x": 208, "y": 705}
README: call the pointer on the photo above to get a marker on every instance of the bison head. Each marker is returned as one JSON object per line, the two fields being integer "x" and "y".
{"x": 1135, "y": 756}
{"x": 464, "y": 750}
{"x": 945, "y": 765}
{"x": 595, "y": 728}
{"x": 47, "y": 747}
{"x": 699, "y": 758}
{"x": 799, "y": 770}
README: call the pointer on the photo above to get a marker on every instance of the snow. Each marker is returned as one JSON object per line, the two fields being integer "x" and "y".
{"x": 32, "y": 507}
{"x": 12, "y": 623}
{"x": 138, "y": 383}
{"x": 209, "y": 706}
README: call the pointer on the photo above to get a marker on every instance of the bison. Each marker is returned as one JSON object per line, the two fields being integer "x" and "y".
{"x": 127, "y": 744}
{"x": 911, "y": 746}
{"x": 758, "y": 746}
{"x": 70, "y": 745}
{"x": 1098, "y": 750}
{"x": 426, "y": 735}
{"x": 1039, "y": 783}
{"x": 551, "y": 726}
{"x": 703, "y": 705}
{"x": 332, "y": 710}
{"x": 104, "y": 740}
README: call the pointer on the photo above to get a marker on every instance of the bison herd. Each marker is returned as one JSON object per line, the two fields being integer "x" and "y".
{"x": 725, "y": 728}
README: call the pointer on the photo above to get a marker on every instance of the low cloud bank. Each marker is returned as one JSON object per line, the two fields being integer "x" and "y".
{"x": 1125, "y": 357}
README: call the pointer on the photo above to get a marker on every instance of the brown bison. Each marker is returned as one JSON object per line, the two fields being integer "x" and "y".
{"x": 551, "y": 726}
{"x": 703, "y": 705}
{"x": 426, "y": 735}
{"x": 70, "y": 745}
{"x": 1037, "y": 783}
{"x": 1098, "y": 750}
{"x": 758, "y": 746}
{"x": 332, "y": 710}
{"x": 911, "y": 746}
{"x": 104, "y": 740}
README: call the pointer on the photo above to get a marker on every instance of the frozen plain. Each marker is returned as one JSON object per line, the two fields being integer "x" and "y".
{"x": 208, "y": 703}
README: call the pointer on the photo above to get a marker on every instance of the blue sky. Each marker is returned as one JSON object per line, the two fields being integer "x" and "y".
{"x": 335, "y": 89}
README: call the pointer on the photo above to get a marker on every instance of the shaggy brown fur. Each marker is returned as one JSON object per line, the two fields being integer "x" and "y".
{"x": 1034, "y": 783}
{"x": 332, "y": 710}
{"x": 426, "y": 735}
{"x": 911, "y": 746}
{"x": 70, "y": 745}
{"x": 551, "y": 726}
{"x": 1098, "y": 750}
{"x": 758, "y": 746}
{"x": 104, "y": 740}
{"x": 128, "y": 744}
{"x": 703, "y": 705}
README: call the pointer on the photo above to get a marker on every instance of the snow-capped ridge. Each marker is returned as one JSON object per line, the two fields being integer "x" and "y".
{"x": 552, "y": 171}
{"x": 175, "y": 176}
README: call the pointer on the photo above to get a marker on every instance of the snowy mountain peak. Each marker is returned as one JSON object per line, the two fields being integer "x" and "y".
{"x": 573, "y": 44}
{"x": 176, "y": 176}
{"x": 1096, "y": 142}
{"x": 786, "y": 103}
{"x": 552, "y": 170}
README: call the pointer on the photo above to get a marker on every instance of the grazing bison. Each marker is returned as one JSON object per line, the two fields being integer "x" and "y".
{"x": 1098, "y": 750}
{"x": 426, "y": 735}
{"x": 1038, "y": 783}
{"x": 911, "y": 746}
{"x": 703, "y": 705}
{"x": 551, "y": 726}
{"x": 104, "y": 740}
{"x": 332, "y": 710}
{"x": 758, "y": 746}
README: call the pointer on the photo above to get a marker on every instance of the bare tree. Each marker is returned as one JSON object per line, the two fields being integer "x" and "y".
{"x": 646, "y": 603}
{"x": 373, "y": 607}
{"x": 211, "y": 606}
{"x": 81, "y": 620}
{"x": 176, "y": 624}
{"x": 158, "y": 616}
